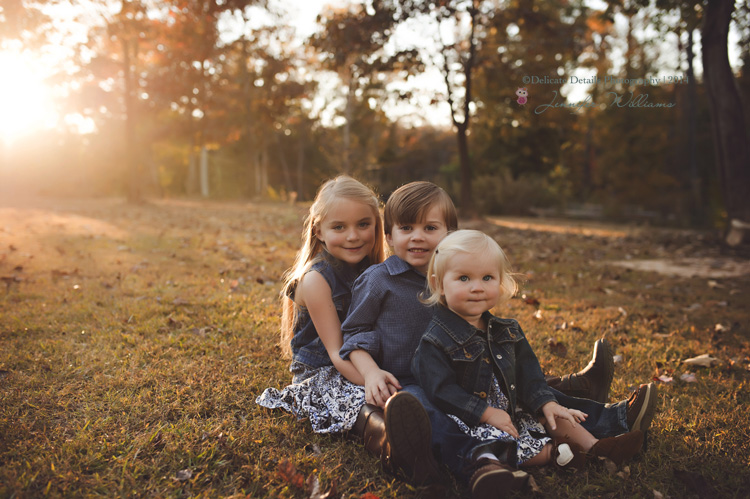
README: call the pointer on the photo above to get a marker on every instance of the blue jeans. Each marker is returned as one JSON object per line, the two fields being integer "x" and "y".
{"x": 457, "y": 450}
{"x": 451, "y": 446}
{"x": 605, "y": 420}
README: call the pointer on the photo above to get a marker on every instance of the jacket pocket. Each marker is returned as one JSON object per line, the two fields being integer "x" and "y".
{"x": 470, "y": 352}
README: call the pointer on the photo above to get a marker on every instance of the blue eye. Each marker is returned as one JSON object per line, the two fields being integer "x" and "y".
{"x": 364, "y": 224}
{"x": 464, "y": 278}
{"x": 487, "y": 278}
{"x": 405, "y": 227}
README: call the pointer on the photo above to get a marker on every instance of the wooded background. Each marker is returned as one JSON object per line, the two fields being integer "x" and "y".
{"x": 223, "y": 99}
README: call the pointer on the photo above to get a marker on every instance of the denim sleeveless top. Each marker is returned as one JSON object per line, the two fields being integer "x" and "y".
{"x": 307, "y": 347}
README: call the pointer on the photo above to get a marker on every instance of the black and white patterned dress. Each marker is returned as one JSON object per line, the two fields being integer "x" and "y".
{"x": 323, "y": 396}
{"x": 532, "y": 436}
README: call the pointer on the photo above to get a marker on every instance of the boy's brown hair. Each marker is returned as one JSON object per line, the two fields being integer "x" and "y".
{"x": 410, "y": 203}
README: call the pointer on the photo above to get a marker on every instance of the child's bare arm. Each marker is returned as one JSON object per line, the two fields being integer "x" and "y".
{"x": 500, "y": 420}
{"x": 379, "y": 384}
{"x": 314, "y": 293}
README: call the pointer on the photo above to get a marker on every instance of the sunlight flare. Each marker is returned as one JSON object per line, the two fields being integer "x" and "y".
{"x": 25, "y": 100}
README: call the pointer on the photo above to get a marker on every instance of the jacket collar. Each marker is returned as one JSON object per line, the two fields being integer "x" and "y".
{"x": 456, "y": 327}
{"x": 461, "y": 331}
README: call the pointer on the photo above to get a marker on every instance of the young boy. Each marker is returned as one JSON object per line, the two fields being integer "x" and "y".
{"x": 381, "y": 333}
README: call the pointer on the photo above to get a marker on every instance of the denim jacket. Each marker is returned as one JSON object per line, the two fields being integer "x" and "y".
{"x": 454, "y": 364}
{"x": 307, "y": 347}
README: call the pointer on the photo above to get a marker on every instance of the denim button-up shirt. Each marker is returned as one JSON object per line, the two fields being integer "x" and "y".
{"x": 307, "y": 346}
{"x": 455, "y": 361}
{"x": 386, "y": 318}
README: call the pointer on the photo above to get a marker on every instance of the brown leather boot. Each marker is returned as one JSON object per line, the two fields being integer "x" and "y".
{"x": 593, "y": 381}
{"x": 492, "y": 479}
{"x": 620, "y": 448}
{"x": 401, "y": 437}
{"x": 409, "y": 439}
{"x": 370, "y": 429}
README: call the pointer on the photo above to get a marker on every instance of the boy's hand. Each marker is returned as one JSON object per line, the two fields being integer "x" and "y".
{"x": 500, "y": 420}
{"x": 379, "y": 386}
{"x": 554, "y": 410}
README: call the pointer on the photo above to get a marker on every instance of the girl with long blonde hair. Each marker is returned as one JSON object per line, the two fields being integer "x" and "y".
{"x": 342, "y": 236}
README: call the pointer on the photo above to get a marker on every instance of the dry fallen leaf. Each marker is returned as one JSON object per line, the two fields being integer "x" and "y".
{"x": 657, "y": 494}
{"x": 530, "y": 300}
{"x": 184, "y": 475}
{"x": 703, "y": 360}
{"x": 625, "y": 473}
{"x": 557, "y": 347}
{"x": 663, "y": 379}
{"x": 688, "y": 378}
{"x": 289, "y": 474}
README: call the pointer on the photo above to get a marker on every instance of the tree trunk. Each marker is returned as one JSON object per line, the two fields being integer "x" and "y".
{"x": 695, "y": 181}
{"x": 204, "y": 172}
{"x": 349, "y": 112}
{"x": 284, "y": 165}
{"x": 301, "y": 166}
{"x": 727, "y": 117}
{"x": 467, "y": 199}
{"x": 133, "y": 165}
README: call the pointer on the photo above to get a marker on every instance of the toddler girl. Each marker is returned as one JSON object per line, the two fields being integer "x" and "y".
{"x": 343, "y": 235}
{"x": 481, "y": 370}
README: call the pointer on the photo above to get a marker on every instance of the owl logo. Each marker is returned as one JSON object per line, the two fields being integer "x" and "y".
{"x": 522, "y": 95}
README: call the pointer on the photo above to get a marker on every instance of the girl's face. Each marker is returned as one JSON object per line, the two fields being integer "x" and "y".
{"x": 348, "y": 231}
{"x": 471, "y": 285}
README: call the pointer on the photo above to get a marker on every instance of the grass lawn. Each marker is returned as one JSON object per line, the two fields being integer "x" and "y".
{"x": 134, "y": 340}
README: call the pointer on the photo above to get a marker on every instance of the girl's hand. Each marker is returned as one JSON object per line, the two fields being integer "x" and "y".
{"x": 500, "y": 420}
{"x": 379, "y": 386}
{"x": 552, "y": 410}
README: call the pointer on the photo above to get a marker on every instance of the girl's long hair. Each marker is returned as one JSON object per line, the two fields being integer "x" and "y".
{"x": 341, "y": 187}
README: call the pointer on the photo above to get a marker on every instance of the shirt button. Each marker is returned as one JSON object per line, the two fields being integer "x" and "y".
{"x": 498, "y": 356}
{"x": 512, "y": 387}
{"x": 482, "y": 395}
{"x": 467, "y": 354}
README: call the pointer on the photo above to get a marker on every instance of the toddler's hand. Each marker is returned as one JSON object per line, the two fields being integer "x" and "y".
{"x": 554, "y": 410}
{"x": 500, "y": 420}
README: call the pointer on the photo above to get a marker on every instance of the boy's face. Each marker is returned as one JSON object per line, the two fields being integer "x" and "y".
{"x": 415, "y": 242}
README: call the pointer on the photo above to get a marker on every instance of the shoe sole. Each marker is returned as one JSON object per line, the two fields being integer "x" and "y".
{"x": 603, "y": 345}
{"x": 408, "y": 430}
{"x": 646, "y": 414}
{"x": 499, "y": 483}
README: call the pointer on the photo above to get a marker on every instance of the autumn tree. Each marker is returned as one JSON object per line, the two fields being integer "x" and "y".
{"x": 353, "y": 43}
{"x": 727, "y": 118}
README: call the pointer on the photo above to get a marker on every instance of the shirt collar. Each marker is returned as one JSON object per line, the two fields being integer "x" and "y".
{"x": 396, "y": 266}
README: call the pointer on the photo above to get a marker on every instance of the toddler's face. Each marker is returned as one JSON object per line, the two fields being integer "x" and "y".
{"x": 415, "y": 242}
{"x": 348, "y": 231}
{"x": 471, "y": 285}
